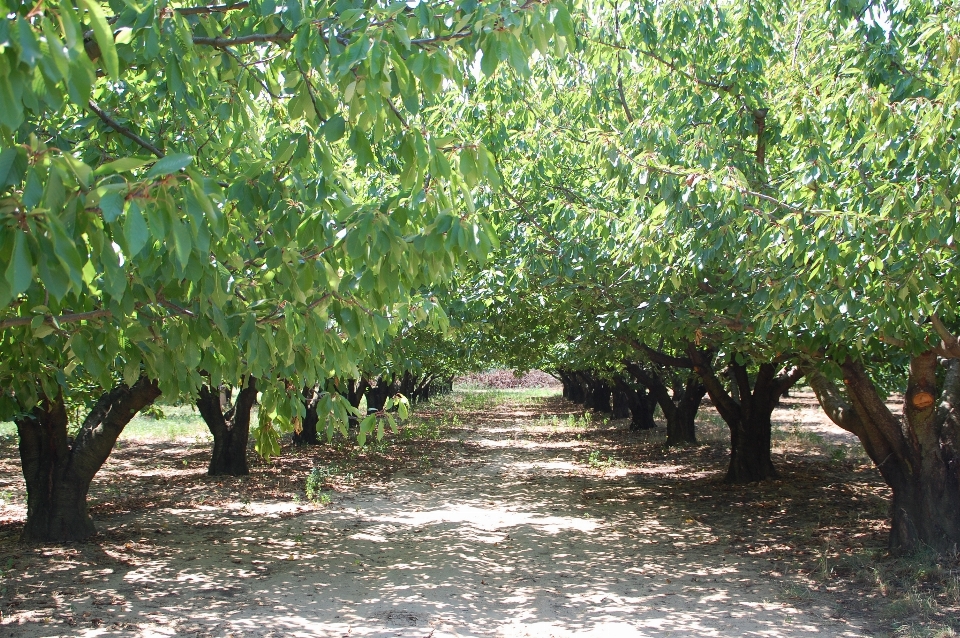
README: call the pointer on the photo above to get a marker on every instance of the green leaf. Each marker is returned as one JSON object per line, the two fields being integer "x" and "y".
{"x": 169, "y": 164}
{"x": 121, "y": 165}
{"x": 11, "y": 108}
{"x": 334, "y": 128}
{"x": 104, "y": 35}
{"x": 29, "y": 47}
{"x": 20, "y": 269}
{"x": 135, "y": 230}
{"x": 111, "y": 205}
{"x": 182, "y": 243}
{"x": 12, "y": 167}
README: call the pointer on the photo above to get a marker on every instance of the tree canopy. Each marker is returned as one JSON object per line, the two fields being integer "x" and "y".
{"x": 737, "y": 195}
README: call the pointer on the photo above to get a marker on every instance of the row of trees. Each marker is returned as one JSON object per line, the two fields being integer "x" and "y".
{"x": 676, "y": 200}
{"x": 256, "y": 195}
{"x": 729, "y": 199}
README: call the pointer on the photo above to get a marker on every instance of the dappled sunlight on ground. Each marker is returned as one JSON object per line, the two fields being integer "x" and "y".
{"x": 506, "y": 528}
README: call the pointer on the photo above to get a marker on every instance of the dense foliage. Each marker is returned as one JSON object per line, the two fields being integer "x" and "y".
{"x": 652, "y": 200}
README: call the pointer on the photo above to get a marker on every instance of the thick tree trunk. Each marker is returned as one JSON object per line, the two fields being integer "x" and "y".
{"x": 621, "y": 403}
{"x": 377, "y": 395}
{"x": 308, "y": 427}
{"x": 918, "y": 455}
{"x": 750, "y": 459}
{"x": 747, "y": 412}
{"x": 600, "y": 395}
{"x": 58, "y": 472}
{"x": 682, "y": 418}
{"x": 679, "y": 408}
{"x": 579, "y": 391}
{"x": 356, "y": 391}
{"x": 640, "y": 403}
{"x": 230, "y": 427}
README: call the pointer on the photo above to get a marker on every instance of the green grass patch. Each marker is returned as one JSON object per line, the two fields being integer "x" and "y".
{"x": 173, "y": 422}
{"x": 168, "y": 423}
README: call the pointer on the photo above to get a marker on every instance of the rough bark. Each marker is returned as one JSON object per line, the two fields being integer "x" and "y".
{"x": 378, "y": 394}
{"x": 621, "y": 401}
{"x": 356, "y": 389}
{"x": 58, "y": 471}
{"x": 918, "y": 455}
{"x": 679, "y": 406}
{"x": 230, "y": 427}
{"x": 600, "y": 395}
{"x": 746, "y": 408}
{"x": 308, "y": 427}
{"x": 640, "y": 403}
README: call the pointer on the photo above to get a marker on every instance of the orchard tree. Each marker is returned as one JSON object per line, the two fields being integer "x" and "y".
{"x": 204, "y": 195}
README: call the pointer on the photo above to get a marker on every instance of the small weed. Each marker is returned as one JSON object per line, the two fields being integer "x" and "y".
{"x": 318, "y": 479}
{"x": 597, "y": 462}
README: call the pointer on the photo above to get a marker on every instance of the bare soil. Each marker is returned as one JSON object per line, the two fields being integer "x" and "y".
{"x": 515, "y": 519}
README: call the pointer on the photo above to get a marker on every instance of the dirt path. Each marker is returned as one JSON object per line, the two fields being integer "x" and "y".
{"x": 509, "y": 536}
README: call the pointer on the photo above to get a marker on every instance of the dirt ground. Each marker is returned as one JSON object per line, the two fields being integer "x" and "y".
{"x": 510, "y": 518}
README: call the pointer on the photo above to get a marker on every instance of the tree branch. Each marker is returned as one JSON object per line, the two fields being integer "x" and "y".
{"x": 254, "y": 38}
{"x": 72, "y": 317}
{"x": 831, "y": 400}
{"x": 216, "y": 8}
{"x": 950, "y": 344}
{"x": 662, "y": 358}
{"x": 123, "y": 130}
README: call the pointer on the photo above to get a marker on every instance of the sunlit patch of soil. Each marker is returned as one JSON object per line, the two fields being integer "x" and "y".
{"x": 820, "y": 529}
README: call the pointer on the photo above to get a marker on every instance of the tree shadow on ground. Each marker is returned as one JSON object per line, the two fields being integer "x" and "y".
{"x": 508, "y": 529}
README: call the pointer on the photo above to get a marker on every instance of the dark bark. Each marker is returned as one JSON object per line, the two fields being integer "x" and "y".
{"x": 918, "y": 455}
{"x": 746, "y": 408}
{"x": 230, "y": 427}
{"x": 600, "y": 395}
{"x": 378, "y": 394}
{"x": 621, "y": 401}
{"x": 578, "y": 390}
{"x": 57, "y": 472}
{"x": 308, "y": 427}
{"x": 356, "y": 390}
{"x": 640, "y": 403}
{"x": 679, "y": 406}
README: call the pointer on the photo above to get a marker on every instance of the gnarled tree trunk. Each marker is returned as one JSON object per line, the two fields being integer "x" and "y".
{"x": 679, "y": 407}
{"x": 58, "y": 472}
{"x": 600, "y": 395}
{"x": 641, "y": 405}
{"x": 230, "y": 427}
{"x": 378, "y": 394}
{"x": 746, "y": 411}
{"x": 918, "y": 456}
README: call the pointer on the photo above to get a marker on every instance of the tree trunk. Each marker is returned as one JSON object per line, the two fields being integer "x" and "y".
{"x": 58, "y": 472}
{"x": 679, "y": 408}
{"x": 356, "y": 390}
{"x": 746, "y": 412}
{"x": 308, "y": 427}
{"x": 377, "y": 395}
{"x": 918, "y": 456}
{"x": 230, "y": 426}
{"x": 682, "y": 420}
{"x": 600, "y": 394}
{"x": 750, "y": 459}
{"x": 641, "y": 405}
{"x": 621, "y": 402}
